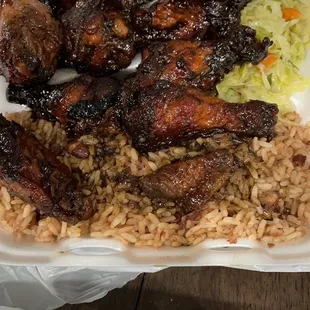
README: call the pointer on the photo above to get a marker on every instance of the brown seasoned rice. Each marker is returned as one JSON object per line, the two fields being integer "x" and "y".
{"x": 238, "y": 211}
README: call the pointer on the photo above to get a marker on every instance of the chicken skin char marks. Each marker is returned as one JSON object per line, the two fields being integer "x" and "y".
{"x": 185, "y": 20}
{"x": 59, "y": 7}
{"x": 125, "y": 5}
{"x": 169, "y": 20}
{"x": 169, "y": 115}
{"x": 30, "y": 41}
{"x": 97, "y": 39}
{"x": 199, "y": 64}
{"x": 192, "y": 182}
{"x": 33, "y": 173}
{"x": 79, "y": 104}
{"x": 223, "y": 17}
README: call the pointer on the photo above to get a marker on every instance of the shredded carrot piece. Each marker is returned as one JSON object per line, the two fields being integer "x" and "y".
{"x": 290, "y": 13}
{"x": 269, "y": 61}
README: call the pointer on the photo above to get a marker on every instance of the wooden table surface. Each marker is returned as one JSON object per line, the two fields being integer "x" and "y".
{"x": 207, "y": 288}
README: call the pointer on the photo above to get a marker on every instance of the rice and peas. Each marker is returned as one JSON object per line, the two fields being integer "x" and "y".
{"x": 271, "y": 204}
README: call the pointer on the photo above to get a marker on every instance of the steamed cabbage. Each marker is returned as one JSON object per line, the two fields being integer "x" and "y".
{"x": 291, "y": 40}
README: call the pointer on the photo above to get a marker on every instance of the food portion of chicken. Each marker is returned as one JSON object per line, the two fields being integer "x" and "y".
{"x": 168, "y": 115}
{"x": 97, "y": 38}
{"x": 192, "y": 182}
{"x": 186, "y": 20}
{"x": 198, "y": 63}
{"x": 223, "y": 17}
{"x": 30, "y": 41}
{"x": 79, "y": 104}
{"x": 169, "y": 20}
{"x": 126, "y": 5}
{"x": 59, "y": 7}
{"x": 33, "y": 173}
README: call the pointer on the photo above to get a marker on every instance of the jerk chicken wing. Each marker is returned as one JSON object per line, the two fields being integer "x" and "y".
{"x": 97, "y": 38}
{"x": 200, "y": 64}
{"x": 190, "y": 183}
{"x": 168, "y": 115}
{"x": 79, "y": 104}
{"x": 30, "y": 41}
{"x": 33, "y": 173}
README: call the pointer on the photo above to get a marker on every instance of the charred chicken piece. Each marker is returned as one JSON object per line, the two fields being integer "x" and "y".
{"x": 30, "y": 41}
{"x": 168, "y": 115}
{"x": 126, "y": 5}
{"x": 191, "y": 182}
{"x": 59, "y": 7}
{"x": 223, "y": 16}
{"x": 200, "y": 64}
{"x": 97, "y": 38}
{"x": 169, "y": 20}
{"x": 185, "y": 20}
{"x": 32, "y": 172}
{"x": 79, "y": 104}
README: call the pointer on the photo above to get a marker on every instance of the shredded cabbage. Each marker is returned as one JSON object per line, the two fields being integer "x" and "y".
{"x": 291, "y": 40}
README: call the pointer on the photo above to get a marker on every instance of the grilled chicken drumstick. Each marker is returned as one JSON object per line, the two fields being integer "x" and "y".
{"x": 32, "y": 172}
{"x": 168, "y": 115}
{"x": 30, "y": 41}
{"x": 197, "y": 63}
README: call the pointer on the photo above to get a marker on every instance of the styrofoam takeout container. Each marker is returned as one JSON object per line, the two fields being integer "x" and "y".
{"x": 113, "y": 255}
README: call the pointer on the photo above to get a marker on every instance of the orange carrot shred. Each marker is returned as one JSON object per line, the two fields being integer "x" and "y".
{"x": 269, "y": 61}
{"x": 290, "y": 13}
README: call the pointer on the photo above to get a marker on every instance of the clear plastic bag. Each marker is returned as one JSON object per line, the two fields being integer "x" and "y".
{"x": 47, "y": 288}
{"x": 38, "y": 288}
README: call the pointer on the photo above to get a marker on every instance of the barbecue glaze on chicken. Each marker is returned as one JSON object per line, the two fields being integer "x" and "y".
{"x": 199, "y": 64}
{"x": 192, "y": 182}
{"x": 98, "y": 38}
{"x": 168, "y": 115}
{"x": 79, "y": 104}
{"x": 32, "y": 172}
{"x": 186, "y": 20}
{"x": 169, "y": 20}
{"x": 30, "y": 41}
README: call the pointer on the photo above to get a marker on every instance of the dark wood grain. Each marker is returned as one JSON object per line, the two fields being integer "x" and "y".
{"x": 223, "y": 288}
{"x": 208, "y": 288}
{"x": 124, "y": 298}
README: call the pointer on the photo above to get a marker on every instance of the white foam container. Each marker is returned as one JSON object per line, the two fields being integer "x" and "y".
{"x": 113, "y": 255}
